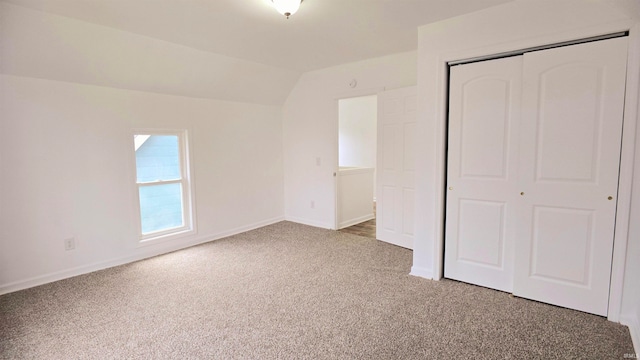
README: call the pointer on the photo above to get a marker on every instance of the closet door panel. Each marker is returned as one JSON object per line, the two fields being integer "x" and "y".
{"x": 482, "y": 172}
{"x": 568, "y": 126}
{"x": 569, "y": 159}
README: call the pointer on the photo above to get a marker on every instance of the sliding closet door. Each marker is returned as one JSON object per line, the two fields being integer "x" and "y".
{"x": 482, "y": 169}
{"x": 570, "y": 139}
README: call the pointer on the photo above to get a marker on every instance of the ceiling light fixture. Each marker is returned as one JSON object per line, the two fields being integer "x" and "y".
{"x": 286, "y": 7}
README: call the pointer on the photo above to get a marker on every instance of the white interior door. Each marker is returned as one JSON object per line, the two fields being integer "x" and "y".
{"x": 395, "y": 166}
{"x": 569, "y": 161}
{"x": 484, "y": 100}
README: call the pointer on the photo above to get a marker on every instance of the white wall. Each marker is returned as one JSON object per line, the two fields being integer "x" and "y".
{"x": 357, "y": 134}
{"x": 67, "y": 170}
{"x": 72, "y": 91}
{"x": 310, "y": 130}
{"x": 512, "y": 26}
{"x": 630, "y": 311}
{"x": 354, "y": 196}
{"x": 43, "y": 45}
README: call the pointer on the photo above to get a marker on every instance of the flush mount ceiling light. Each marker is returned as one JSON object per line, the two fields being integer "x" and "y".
{"x": 286, "y": 7}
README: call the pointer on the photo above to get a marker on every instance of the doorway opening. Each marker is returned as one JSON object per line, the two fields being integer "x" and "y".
{"x": 356, "y": 178}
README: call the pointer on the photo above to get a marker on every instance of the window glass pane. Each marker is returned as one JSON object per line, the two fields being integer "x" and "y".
{"x": 157, "y": 157}
{"x": 160, "y": 207}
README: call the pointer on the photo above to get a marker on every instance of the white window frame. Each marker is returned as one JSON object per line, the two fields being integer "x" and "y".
{"x": 188, "y": 212}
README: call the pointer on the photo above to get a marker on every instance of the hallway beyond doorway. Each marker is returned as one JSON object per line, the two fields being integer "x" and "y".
{"x": 366, "y": 229}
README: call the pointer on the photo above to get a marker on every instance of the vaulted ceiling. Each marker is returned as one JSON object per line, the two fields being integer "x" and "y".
{"x": 322, "y": 33}
{"x": 238, "y": 50}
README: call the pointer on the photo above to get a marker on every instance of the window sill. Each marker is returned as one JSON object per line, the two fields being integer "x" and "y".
{"x": 165, "y": 237}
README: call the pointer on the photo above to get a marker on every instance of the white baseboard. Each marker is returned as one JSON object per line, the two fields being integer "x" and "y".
{"x": 144, "y": 253}
{"x": 421, "y": 272}
{"x": 634, "y": 329}
{"x": 308, "y": 222}
{"x": 246, "y": 228}
{"x": 357, "y": 220}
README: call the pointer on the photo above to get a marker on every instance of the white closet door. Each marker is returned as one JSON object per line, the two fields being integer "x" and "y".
{"x": 569, "y": 159}
{"x": 482, "y": 165}
{"x": 395, "y": 166}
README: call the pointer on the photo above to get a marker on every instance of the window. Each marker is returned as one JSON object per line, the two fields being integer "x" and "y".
{"x": 164, "y": 192}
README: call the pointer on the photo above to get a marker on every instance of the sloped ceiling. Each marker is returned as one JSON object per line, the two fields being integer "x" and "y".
{"x": 240, "y": 50}
{"x": 323, "y": 33}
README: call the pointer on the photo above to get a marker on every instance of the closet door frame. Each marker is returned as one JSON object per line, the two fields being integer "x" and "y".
{"x": 630, "y": 117}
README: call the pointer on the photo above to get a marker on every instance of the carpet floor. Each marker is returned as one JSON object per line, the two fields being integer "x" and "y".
{"x": 290, "y": 291}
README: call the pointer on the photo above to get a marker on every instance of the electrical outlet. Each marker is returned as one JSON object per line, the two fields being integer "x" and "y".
{"x": 318, "y": 161}
{"x": 313, "y": 204}
{"x": 69, "y": 244}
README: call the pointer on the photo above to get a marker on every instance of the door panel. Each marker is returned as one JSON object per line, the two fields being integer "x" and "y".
{"x": 481, "y": 217}
{"x": 483, "y": 144}
{"x": 409, "y": 145}
{"x": 388, "y": 152}
{"x": 569, "y": 159}
{"x": 482, "y": 172}
{"x": 548, "y": 257}
{"x": 395, "y": 182}
{"x": 576, "y": 117}
{"x": 385, "y": 213}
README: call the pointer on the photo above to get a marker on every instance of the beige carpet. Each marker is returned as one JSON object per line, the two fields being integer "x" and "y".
{"x": 290, "y": 291}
